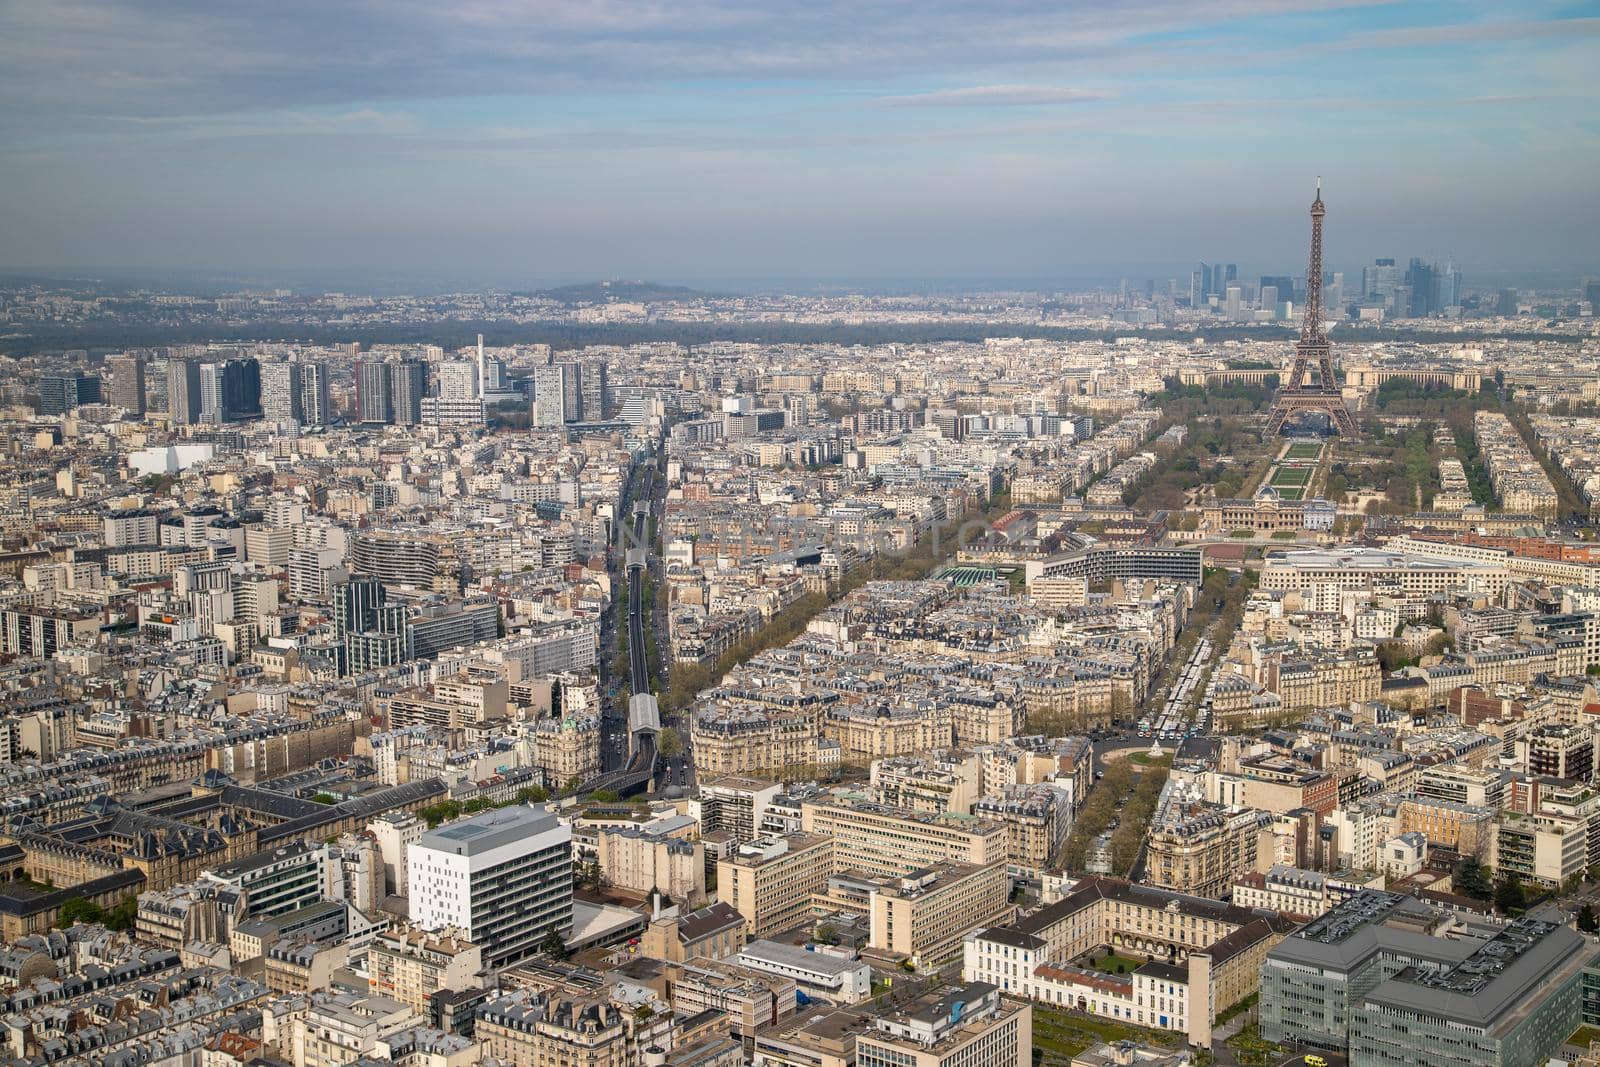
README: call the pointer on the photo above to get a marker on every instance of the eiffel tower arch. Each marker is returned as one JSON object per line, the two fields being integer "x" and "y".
{"x": 1312, "y": 355}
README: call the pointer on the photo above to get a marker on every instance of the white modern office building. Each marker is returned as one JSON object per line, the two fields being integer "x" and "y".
{"x": 504, "y": 878}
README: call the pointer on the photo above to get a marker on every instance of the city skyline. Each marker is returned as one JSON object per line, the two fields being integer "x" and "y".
{"x": 498, "y": 144}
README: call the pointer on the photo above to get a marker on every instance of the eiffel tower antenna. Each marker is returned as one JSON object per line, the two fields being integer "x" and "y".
{"x": 1295, "y": 396}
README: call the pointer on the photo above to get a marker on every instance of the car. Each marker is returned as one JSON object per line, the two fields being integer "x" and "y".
{"x": 1316, "y": 1061}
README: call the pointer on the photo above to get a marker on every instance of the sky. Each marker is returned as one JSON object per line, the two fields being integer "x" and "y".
{"x": 729, "y": 141}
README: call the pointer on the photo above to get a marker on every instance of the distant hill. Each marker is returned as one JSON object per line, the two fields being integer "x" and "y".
{"x": 623, "y": 292}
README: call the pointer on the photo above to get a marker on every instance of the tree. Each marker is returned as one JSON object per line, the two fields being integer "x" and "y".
{"x": 533, "y": 794}
{"x": 1472, "y": 879}
{"x": 444, "y": 811}
{"x": 325, "y": 798}
{"x": 605, "y": 796}
{"x": 670, "y": 743}
{"x": 80, "y": 910}
{"x": 123, "y": 915}
{"x": 553, "y": 946}
{"x": 1588, "y": 922}
{"x": 1510, "y": 897}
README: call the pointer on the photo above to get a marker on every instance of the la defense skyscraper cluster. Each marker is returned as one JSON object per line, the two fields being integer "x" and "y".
{"x": 1297, "y": 397}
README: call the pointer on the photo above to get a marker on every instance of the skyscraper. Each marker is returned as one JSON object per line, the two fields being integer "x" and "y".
{"x": 282, "y": 393}
{"x": 127, "y": 382}
{"x": 316, "y": 408}
{"x": 241, "y": 389}
{"x": 596, "y": 404}
{"x": 355, "y": 605}
{"x": 549, "y": 396}
{"x": 183, "y": 392}
{"x": 1424, "y": 285}
{"x": 572, "y": 386}
{"x": 155, "y": 384}
{"x": 1280, "y": 282}
{"x": 460, "y": 380}
{"x": 60, "y": 393}
{"x": 211, "y": 394}
{"x": 1449, "y": 286}
{"x": 408, "y": 382}
{"x": 1379, "y": 282}
{"x": 374, "y": 398}
{"x": 230, "y": 391}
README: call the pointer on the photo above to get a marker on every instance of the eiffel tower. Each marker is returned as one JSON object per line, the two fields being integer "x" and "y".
{"x": 1295, "y": 396}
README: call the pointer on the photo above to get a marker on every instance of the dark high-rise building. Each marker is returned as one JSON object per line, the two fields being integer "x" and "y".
{"x": 230, "y": 391}
{"x": 1231, "y": 275}
{"x": 408, "y": 384}
{"x": 374, "y": 398}
{"x": 241, "y": 389}
{"x": 183, "y": 392}
{"x": 60, "y": 393}
{"x": 1422, "y": 280}
{"x": 127, "y": 383}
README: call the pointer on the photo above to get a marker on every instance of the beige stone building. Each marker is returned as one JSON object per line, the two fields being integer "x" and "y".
{"x": 567, "y": 749}
{"x": 532, "y": 1029}
{"x": 1331, "y": 681}
{"x": 639, "y": 860}
{"x": 925, "y": 914}
{"x": 341, "y": 1028}
{"x": 1037, "y": 819}
{"x": 1467, "y": 828}
{"x": 751, "y": 1001}
{"x": 770, "y": 881}
{"x": 1211, "y": 949}
{"x": 749, "y": 732}
{"x": 1204, "y": 852}
{"x": 713, "y": 932}
{"x": 455, "y": 705}
{"x": 880, "y": 840}
{"x": 410, "y": 965}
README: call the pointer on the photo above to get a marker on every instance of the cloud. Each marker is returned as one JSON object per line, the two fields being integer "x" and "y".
{"x": 996, "y": 96}
{"x": 1474, "y": 33}
{"x": 86, "y": 58}
{"x": 284, "y": 123}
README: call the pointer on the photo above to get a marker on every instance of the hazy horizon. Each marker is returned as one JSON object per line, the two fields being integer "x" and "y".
{"x": 714, "y": 145}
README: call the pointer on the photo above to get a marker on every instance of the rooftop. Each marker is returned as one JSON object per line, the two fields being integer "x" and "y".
{"x": 491, "y": 829}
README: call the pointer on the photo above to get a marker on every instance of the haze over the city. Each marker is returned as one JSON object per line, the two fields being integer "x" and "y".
{"x": 723, "y": 144}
